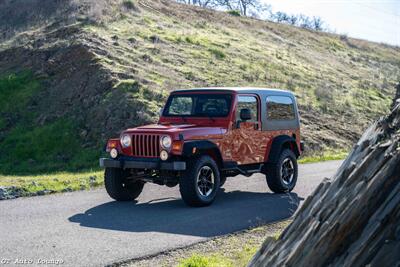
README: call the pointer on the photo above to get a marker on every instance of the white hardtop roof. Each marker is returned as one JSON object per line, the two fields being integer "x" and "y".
{"x": 239, "y": 89}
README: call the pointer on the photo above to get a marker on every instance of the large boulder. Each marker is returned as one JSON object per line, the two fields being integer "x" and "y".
{"x": 353, "y": 219}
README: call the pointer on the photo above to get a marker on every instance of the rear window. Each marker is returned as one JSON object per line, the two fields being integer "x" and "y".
{"x": 280, "y": 108}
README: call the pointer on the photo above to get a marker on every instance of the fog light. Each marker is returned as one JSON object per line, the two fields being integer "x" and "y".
{"x": 164, "y": 155}
{"x": 114, "y": 153}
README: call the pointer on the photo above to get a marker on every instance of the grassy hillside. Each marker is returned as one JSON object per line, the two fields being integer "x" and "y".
{"x": 78, "y": 72}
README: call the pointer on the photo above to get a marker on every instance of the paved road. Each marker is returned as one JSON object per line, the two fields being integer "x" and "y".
{"x": 89, "y": 229}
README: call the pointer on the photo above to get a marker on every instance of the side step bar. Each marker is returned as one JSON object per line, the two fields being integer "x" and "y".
{"x": 245, "y": 172}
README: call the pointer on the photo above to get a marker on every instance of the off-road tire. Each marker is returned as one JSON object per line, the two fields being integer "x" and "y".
{"x": 274, "y": 173}
{"x": 117, "y": 186}
{"x": 188, "y": 185}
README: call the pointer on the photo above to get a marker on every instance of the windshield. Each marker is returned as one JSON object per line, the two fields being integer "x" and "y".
{"x": 198, "y": 105}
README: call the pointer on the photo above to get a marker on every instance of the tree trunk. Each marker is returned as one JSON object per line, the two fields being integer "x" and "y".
{"x": 353, "y": 219}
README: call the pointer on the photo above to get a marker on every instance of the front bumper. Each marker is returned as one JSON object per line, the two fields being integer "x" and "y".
{"x": 136, "y": 164}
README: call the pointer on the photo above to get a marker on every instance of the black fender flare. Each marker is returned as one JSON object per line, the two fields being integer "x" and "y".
{"x": 196, "y": 148}
{"x": 278, "y": 143}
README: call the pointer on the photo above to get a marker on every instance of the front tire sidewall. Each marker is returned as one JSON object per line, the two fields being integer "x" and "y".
{"x": 188, "y": 182}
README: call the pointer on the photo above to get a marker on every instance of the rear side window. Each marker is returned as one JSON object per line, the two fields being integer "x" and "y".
{"x": 280, "y": 108}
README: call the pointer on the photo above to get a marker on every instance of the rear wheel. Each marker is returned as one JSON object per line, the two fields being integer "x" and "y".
{"x": 200, "y": 182}
{"x": 118, "y": 187}
{"x": 282, "y": 175}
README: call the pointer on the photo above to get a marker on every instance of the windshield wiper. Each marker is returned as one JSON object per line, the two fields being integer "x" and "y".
{"x": 211, "y": 118}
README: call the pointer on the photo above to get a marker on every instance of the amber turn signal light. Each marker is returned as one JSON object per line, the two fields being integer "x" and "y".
{"x": 111, "y": 144}
{"x": 177, "y": 147}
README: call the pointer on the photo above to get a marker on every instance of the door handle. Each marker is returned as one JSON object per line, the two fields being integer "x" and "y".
{"x": 256, "y": 125}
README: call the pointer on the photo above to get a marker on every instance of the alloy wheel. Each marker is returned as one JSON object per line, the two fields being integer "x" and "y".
{"x": 205, "y": 181}
{"x": 287, "y": 171}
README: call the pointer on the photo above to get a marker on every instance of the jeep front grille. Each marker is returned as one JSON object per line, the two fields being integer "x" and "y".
{"x": 146, "y": 145}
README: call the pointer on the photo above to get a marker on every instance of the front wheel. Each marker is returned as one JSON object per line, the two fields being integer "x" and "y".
{"x": 282, "y": 175}
{"x": 200, "y": 182}
{"x": 119, "y": 187}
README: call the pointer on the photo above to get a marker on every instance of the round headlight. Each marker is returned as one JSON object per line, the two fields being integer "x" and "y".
{"x": 166, "y": 142}
{"x": 114, "y": 153}
{"x": 164, "y": 155}
{"x": 126, "y": 140}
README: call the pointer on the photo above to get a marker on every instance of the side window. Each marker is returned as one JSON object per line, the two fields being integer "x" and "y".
{"x": 249, "y": 102}
{"x": 280, "y": 108}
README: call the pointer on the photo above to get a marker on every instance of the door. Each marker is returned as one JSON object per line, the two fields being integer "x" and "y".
{"x": 246, "y": 131}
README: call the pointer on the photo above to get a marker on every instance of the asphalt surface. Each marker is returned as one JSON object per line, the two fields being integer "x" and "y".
{"x": 88, "y": 228}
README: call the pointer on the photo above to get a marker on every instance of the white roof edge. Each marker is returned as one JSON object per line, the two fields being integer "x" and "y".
{"x": 236, "y": 89}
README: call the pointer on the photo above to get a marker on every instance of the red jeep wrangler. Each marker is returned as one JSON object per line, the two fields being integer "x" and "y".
{"x": 204, "y": 136}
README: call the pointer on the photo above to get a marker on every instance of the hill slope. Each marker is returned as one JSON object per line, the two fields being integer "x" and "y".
{"x": 73, "y": 73}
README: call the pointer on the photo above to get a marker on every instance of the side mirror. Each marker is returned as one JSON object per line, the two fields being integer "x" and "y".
{"x": 161, "y": 111}
{"x": 245, "y": 114}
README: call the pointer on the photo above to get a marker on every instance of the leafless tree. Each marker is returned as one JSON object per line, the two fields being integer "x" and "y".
{"x": 281, "y": 17}
{"x": 246, "y": 5}
{"x": 317, "y": 23}
{"x": 293, "y": 20}
{"x": 256, "y": 8}
{"x": 243, "y": 6}
{"x": 228, "y": 4}
{"x": 202, "y": 3}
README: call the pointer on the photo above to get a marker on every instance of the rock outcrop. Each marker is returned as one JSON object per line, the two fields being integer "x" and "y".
{"x": 353, "y": 219}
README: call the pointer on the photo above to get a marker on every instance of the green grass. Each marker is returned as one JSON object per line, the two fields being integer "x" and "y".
{"x": 324, "y": 156}
{"x": 16, "y": 90}
{"x": 197, "y": 260}
{"x": 234, "y": 251}
{"x": 55, "y": 146}
{"x": 27, "y": 146}
{"x": 32, "y": 152}
{"x": 237, "y": 259}
{"x": 54, "y": 182}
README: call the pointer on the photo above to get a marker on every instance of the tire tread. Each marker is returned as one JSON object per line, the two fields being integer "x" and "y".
{"x": 113, "y": 179}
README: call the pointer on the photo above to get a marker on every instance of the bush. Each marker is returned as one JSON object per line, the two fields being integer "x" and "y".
{"x": 235, "y": 13}
{"x": 128, "y": 4}
{"x": 217, "y": 53}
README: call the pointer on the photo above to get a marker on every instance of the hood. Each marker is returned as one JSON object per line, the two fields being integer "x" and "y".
{"x": 165, "y": 126}
{"x": 161, "y": 128}
{"x": 189, "y": 131}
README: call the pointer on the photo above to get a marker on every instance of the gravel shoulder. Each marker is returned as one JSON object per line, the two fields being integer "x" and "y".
{"x": 234, "y": 249}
